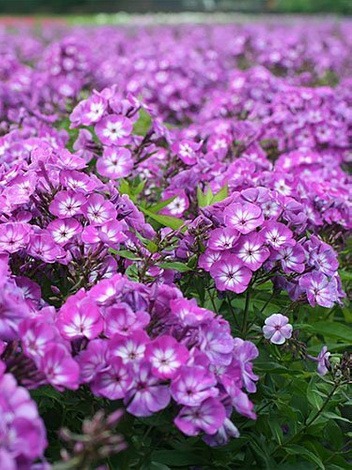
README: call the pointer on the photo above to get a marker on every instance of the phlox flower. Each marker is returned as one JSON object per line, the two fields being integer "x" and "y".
{"x": 97, "y": 210}
{"x": 216, "y": 342}
{"x": 14, "y": 236}
{"x": 186, "y": 150}
{"x": 114, "y": 381}
{"x": 223, "y": 239}
{"x": 129, "y": 348}
{"x": 193, "y": 385}
{"x": 113, "y": 129}
{"x": 277, "y": 235}
{"x": 92, "y": 360}
{"x": 292, "y": 259}
{"x": 146, "y": 395}
{"x": 178, "y": 205}
{"x": 79, "y": 317}
{"x": 111, "y": 233}
{"x": 43, "y": 246}
{"x": 244, "y": 217}
{"x": 123, "y": 320}
{"x": 251, "y": 251}
{"x": 319, "y": 289}
{"x": 244, "y": 353}
{"x": 166, "y": 356}
{"x": 67, "y": 204}
{"x": 59, "y": 368}
{"x": 64, "y": 230}
{"x": 188, "y": 312}
{"x": 277, "y": 328}
{"x": 208, "y": 417}
{"x": 115, "y": 163}
{"x": 231, "y": 274}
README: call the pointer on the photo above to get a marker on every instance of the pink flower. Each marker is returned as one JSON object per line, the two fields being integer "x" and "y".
{"x": 208, "y": 417}
{"x": 193, "y": 385}
{"x": 113, "y": 129}
{"x": 277, "y": 328}
{"x": 188, "y": 312}
{"x": 123, "y": 320}
{"x": 97, "y": 210}
{"x": 251, "y": 251}
{"x": 223, "y": 239}
{"x": 42, "y": 246}
{"x": 230, "y": 274}
{"x": 59, "y": 368}
{"x": 277, "y": 235}
{"x": 187, "y": 151}
{"x": 166, "y": 356}
{"x": 292, "y": 259}
{"x": 79, "y": 318}
{"x": 207, "y": 259}
{"x": 67, "y": 204}
{"x": 116, "y": 162}
{"x": 319, "y": 289}
{"x": 14, "y": 236}
{"x": 92, "y": 360}
{"x": 111, "y": 233}
{"x": 244, "y": 217}
{"x": 63, "y": 230}
{"x": 147, "y": 395}
{"x": 114, "y": 381}
{"x": 178, "y": 205}
{"x": 129, "y": 348}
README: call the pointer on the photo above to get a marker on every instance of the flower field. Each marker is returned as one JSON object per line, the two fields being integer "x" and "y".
{"x": 175, "y": 260}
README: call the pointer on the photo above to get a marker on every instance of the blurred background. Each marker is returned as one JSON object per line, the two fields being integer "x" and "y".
{"x": 83, "y": 7}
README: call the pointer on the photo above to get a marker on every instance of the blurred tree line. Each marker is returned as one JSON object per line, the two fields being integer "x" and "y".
{"x": 94, "y": 6}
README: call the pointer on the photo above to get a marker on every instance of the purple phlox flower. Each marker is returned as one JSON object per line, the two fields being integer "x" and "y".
{"x": 251, "y": 251}
{"x": 166, "y": 356}
{"x": 122, "y": 319}
{"x": 113, "y": 130}
{"x": 193, "y": 385}
{"x": 189, "y": 313}
{"x": 244, "y": 353}
{"x": 245, "y": 217}
{"x": 59, "y": 368}
{"x": 323, "y": 361}
{"x": 277, "y": 235}
{"x": 319, "y": 289}
{"x": 231, "y": 274}
{"x": 92, "y": 360}
{"x": 111, "y": 233}
{"x": 22, "y": 432}
{"x": 216, "y": 342}
{"x": 115, "y": 163}
{"x": 114, "y": 381}
{"x": 67, "y": 204}
{"x": 292, "y": 259}
{"x": 97, "y": 210}
{"x": 223, "y": 239}
{"x": 187, "y": 151}
{"x": 208, "y": 258}
{"x": 277, "y": 328}
{"x": 178, "y": 205}
{"x": 129, "y": 348}
{"x": 14, "y": 236}
{"x": 208, "y": 417}
{"x": 79, "y": 182}
{"x": 146, "y": 395}
{"x": 64, "y": 230}
{"x": 79, "y": 317}
{"x": 43, "y": 246}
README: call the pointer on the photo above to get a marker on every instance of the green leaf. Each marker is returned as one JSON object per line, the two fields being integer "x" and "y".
{"x": 176, "y": 458}
{"x": 204, "y": 198}
{"x": 176, "y": 266}
{"x": 143, "y": 124}
{"x": 161, "y": 205}
{"x": 334, "y": 330}
{"x": 221, "y": 195}
{"x": 345, "y": 275}
{"x": 125, "y": 254}
{"x": 166, "y": 220}
{"x": 305, "y": 453}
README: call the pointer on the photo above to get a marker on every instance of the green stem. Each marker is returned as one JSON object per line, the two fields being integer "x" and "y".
{"x": 309, "y": 422}
{"x": 246, "y": 311}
